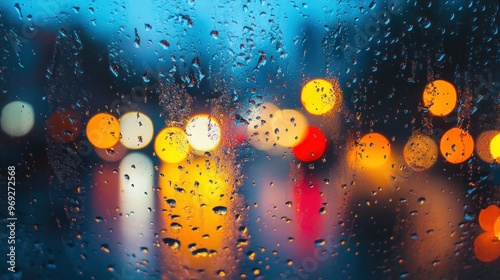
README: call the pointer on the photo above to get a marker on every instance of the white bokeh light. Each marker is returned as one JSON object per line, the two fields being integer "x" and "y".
{"x": 18, "y": 118}
{"x": 203, "y": 133}
{"x": 136, "y": 130}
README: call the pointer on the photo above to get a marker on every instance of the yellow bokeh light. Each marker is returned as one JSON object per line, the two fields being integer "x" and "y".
{"x": 373, "y": 150}
{"x": 136, "y": 130}
{"x": 171, "y": 145}
{"x": 289, "y": 127}
{"x": 203, "y": 133}
{"x": 260, "y": 124}
{"x": 495, "y": 147}
{"x": 456, "y": 145}
{"x": 193, "y": 192}
{"x": 420, "y": 152}
{"x": 318, "y": 96}
{"x": 440, "y": 97}
{"x": 103, "y": 130}
{"x": 483, "y": 145}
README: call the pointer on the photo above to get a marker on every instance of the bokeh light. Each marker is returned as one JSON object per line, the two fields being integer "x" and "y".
{"x": 420, "y": 152}
{"x": 289, "y": 127}
{"x": 64, "y": 125}
{"x": 18, "y": 118}
{"x": 171, "y": 145}
{"x": 495, "y": 147}
{"x": 103, "y": 130}
{"x": 260, "y": 124}
{"x": 198, "y": 196}
{"x": 203, "y": 133}
{"x": 456, "y": 145}
{"x": 137, "y": 199}
{"x": 486, "y": 247}
{"x": 373, "y": 150}
{"x": 483, "y": 145}
{"x": 313, "y": 146}
{"x": 488, "y": 217}
{"x": 440, "y": 97}
{"x": 318, "y": 96}
{"x": 136, "y": 130}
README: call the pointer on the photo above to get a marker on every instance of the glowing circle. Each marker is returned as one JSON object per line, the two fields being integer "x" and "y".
{"x": 260, "y": 124}
{"x": 420, "y": 152}
{"x": 64, "y": 125}
{"x": 171, "y": 145}
{"x": 318, "y": 96}
{"x": 373, "y": 150}
{"x": 313, "y": 146}
{"x": 203, "y": 133}
{"x": 289, "y": 127}
{"x": 136, "y": 130}
{"x": 486, "y": 248}
{"x": 488, "y": 217}
{"x": 440, "y": 97}
{"x": 18, "y": 118}
{"x": 483, "y": 145}
{"x": 456, "y": 145}
{"x": 495, "y": 147}
{"x": 103, "y": 130}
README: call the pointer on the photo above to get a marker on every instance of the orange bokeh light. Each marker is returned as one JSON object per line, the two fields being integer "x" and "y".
{"x": 440, "y": 97}
{"x": 456, "y": 145}
{"x": 103, "y": 130}
{"x": 373, "y": 150}
{"x": 487, "y": 247}
{"x": 488, "y": 217}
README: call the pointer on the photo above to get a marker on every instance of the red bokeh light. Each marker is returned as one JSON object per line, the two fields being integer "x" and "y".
{"x": 313, "y": 147}
{"x": 64, "y": 125}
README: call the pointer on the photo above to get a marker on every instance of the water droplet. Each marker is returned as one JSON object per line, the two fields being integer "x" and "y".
{"x": 172, "y": 243}
{"x": 220, "y": 210}
{"x": 214, "y": 34}
{"x": 105, "y": 247}
{"x": 421, "y": 200}
{"x": 319, "y": 242}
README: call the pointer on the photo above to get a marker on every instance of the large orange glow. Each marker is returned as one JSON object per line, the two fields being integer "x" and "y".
{"x": 373, "y": 150}
{"x": 440, "y": 97}
{"x": 456, "y": 145}
{"x": 103, "y": 130}
{"x": 487, "y": 247}
{"x": 488, "y": 217}
{"x": 420, "y": 152}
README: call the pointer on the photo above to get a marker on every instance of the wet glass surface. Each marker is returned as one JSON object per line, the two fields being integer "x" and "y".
{"x": 250, "y": 139}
